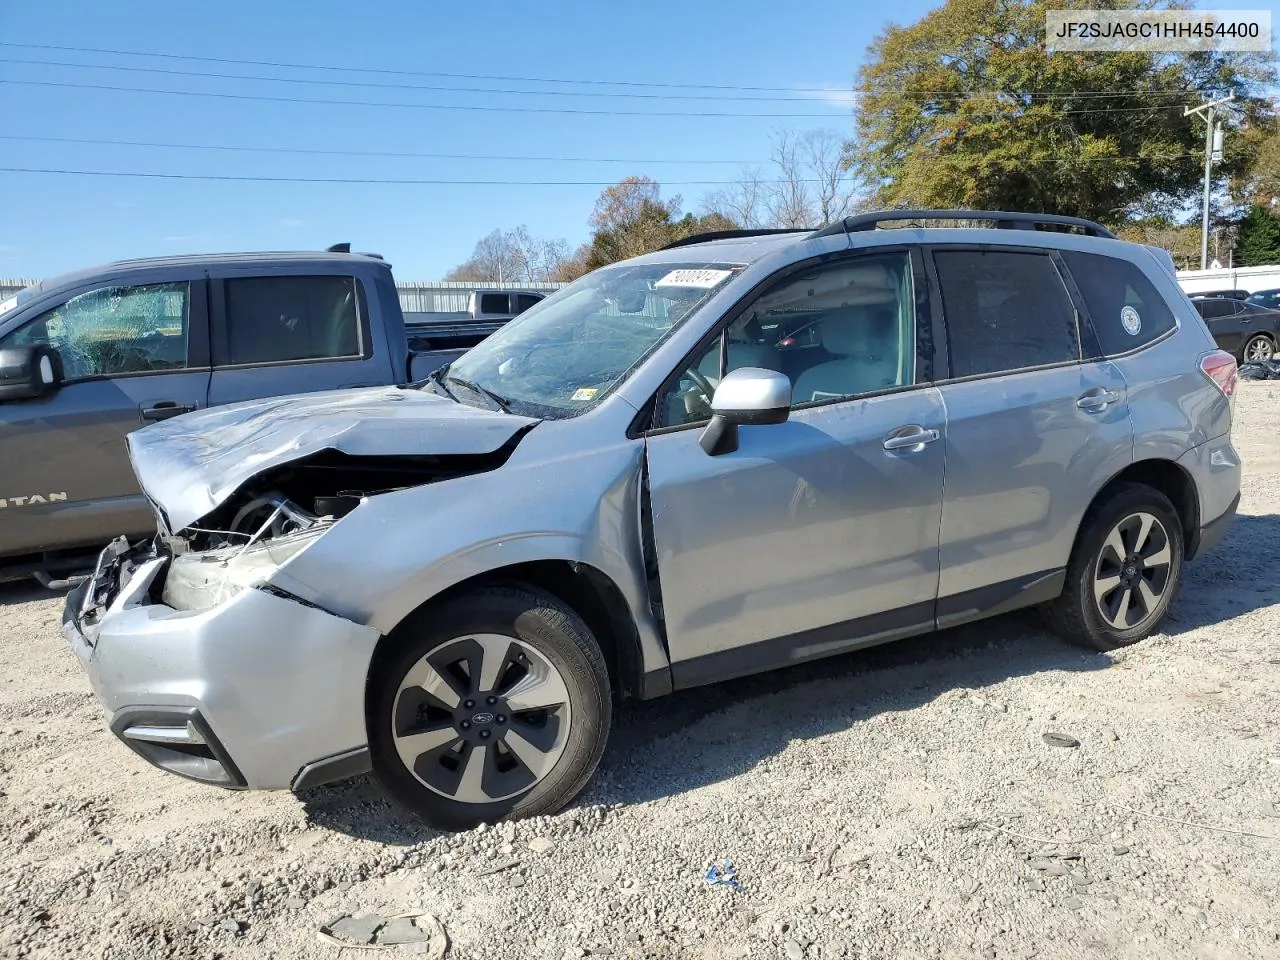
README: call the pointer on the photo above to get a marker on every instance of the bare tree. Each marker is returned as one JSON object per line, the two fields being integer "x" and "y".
{"x": 512, "y": 256}
{"x": 790, "y": 203}
{"x": 743, "y": 201}
{"x": 808, "y": 184}
{"x": 833, "y": 189}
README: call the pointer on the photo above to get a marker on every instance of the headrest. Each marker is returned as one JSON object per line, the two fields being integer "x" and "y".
{"x": 859, "y": 332}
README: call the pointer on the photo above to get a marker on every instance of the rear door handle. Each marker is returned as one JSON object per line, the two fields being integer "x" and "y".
{"x": 1096, "y": 400}
{"x": 910, "y": 438}
{"x": 164, "y": 410}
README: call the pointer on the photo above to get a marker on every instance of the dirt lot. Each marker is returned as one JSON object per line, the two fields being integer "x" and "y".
{"x": 897, "y": 803}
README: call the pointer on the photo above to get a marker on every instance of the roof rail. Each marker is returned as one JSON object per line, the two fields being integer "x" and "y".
{"x": 730, "y": 235}
{"x": 339, "y": 248}
{"x": 1003, "y": 220}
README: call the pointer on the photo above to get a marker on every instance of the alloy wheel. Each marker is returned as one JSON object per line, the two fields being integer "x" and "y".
{"x": 1259, "y": 348}
{"x": 1133, "y": 571}
{"x": 481, "y": 718}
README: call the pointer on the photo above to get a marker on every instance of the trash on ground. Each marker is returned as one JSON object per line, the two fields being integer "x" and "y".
{"x": 722, "y": 874}
{"x": 1260, "y": 370}
{"x": 1060, "y": 740}
{"x": 413, "y": 927}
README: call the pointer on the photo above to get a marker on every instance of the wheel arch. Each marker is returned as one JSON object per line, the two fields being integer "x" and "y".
{"x": 589, "y": 592}
{"x": 1171, "y": 479}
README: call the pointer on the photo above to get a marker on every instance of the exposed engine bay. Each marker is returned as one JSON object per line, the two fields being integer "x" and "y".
{"x": 274, "y": 516}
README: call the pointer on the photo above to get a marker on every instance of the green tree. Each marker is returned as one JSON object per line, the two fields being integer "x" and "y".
{"x": 1259, "y": 242}
{"x": 966, "y": 108}
{"x": 631, "y": 218}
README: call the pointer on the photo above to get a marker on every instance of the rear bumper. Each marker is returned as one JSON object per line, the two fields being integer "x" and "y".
{"x": 254, "y": 692}
{"x": 1211, "y": 533}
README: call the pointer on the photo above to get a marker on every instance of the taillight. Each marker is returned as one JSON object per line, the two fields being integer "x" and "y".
{"x": 787, "y": 342}
{"x": 1220, "y": 367}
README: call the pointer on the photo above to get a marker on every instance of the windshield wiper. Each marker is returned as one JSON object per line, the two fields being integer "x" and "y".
{"x": 503, "y": 403}
{"x": 436, "y": 378}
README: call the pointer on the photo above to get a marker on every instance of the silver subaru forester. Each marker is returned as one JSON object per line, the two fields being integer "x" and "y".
{"x": 744, "y": 451}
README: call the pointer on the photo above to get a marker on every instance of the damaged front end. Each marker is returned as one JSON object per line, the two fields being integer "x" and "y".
{"x": 278, "y": 515}
{"x": 240, "y": 490}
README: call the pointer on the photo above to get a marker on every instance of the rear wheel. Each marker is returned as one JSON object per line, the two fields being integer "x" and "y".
{"x": 1259, "y": 347}
{"x": 495, "y": 704}
{"x": 1125, "y": 570}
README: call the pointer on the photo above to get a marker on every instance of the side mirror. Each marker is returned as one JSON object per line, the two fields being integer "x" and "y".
{"x": 29, "y": 372}
{"x": 748, "y": 395}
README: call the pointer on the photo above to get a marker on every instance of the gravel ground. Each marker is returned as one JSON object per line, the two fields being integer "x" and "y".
{"x": 901, "y": 802}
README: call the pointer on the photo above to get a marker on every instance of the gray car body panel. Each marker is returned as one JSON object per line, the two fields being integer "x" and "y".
{"x": 885, "y": 544}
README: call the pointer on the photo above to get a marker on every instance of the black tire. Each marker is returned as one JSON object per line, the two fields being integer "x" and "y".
{"x": 1076, "y": 615}
{"x": 535, "y": 620}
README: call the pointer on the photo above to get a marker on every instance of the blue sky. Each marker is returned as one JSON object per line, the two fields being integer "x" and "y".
{"x": 52, "y": 223}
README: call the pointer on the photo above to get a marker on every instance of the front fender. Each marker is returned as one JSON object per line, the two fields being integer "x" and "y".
{"x": 398, "y": 550}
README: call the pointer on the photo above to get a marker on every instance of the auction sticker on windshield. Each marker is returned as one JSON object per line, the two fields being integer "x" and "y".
{"x": 705, "y": 279}
{"x": 7, "y": 305}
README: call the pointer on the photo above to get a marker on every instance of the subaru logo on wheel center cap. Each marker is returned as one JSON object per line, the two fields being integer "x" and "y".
{"x": 482, "y": 718}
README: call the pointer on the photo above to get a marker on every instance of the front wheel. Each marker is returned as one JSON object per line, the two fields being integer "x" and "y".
{"x": 1124, "y": 572}
{"x": 495, "y": 704}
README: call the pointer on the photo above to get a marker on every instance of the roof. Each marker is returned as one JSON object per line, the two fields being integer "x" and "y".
{"x": 122, "y": 267}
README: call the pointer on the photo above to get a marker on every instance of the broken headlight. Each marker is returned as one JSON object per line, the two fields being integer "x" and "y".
{"x": 198, "y": 581}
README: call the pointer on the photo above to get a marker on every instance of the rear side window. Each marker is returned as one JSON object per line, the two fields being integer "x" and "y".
{"x": 494, "y": 303}
{"x": 1127, "y": 310}
{"x": 280, "y": 319}
{"x": 1004, "y": 311}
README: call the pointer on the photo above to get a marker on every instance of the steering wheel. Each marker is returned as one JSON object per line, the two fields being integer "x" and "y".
{"x": 702, "y": 383}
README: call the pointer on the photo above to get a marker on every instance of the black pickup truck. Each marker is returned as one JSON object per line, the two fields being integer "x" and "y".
{"x": 87, "y": 357}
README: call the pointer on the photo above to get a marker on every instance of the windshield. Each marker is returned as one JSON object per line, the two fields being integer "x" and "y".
{"x": 568, "y": 352}
{"x": 1266, "y": 298}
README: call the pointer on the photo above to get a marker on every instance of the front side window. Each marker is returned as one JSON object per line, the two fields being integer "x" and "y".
{"x": 524, "y": 301}
{"x": 281, "y": 319}
{"x": 1126, "y": 309}
{"x": 837, "y": 330}
{"x": 1005, "y": 311}
{"x": 114, "y": 331}
{"x": 572, "y": 349}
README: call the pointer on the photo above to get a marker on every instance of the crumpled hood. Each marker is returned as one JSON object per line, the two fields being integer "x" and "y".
{"x": 190, "y": 465}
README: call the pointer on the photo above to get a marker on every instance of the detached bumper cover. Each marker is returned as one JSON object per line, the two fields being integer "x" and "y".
{"x": 270, "y": 686}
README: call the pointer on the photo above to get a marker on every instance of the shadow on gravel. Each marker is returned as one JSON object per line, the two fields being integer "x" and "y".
{"x": 1240, "y": 575}
{"x": 358, "y": 808}
{"x": 659, "y": 749}
{"x": 24, "y": 591}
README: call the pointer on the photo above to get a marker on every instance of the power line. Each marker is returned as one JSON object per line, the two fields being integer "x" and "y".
{"x": 264, "y": 98}
{"x": 435, "y": 88}
{"x": 152, "y": 144}
{"x": 355, "y": 153}
{"x": 334, "y": 68}
{"x": 230, "y": 178}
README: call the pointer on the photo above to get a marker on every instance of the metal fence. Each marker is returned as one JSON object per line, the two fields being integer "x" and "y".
{"x": 415, "y": 296}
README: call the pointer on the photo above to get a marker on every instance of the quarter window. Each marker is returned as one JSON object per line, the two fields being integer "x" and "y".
{"x": 1004, "y": 311}
{"x": 279, "y": 319}
{"x": 114, "y": 331}
{"x": 1126, "y": 309}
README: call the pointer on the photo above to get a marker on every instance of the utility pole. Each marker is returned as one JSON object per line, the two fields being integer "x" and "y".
{"x": 1205, "y": 112}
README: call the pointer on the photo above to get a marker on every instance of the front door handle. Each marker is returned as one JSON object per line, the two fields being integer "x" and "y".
{"x": 911, "y": 438}
{"x": 164, "y": 410}
{"x": 1097, "y": 400}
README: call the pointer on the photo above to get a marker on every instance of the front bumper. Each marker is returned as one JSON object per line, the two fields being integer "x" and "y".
{"x": 260, "y": 691}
